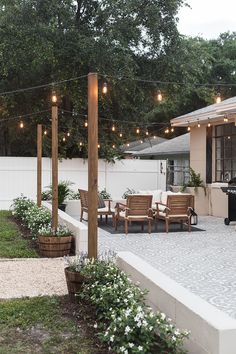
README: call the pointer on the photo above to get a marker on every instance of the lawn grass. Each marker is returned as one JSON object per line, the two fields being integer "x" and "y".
{"x": 12, "y": 243}
{"x": 45, "y": 325}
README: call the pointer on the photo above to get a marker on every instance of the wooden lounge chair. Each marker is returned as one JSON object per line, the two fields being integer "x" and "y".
{"x": 177, "y": 209}
{"x": 103, "y": 209}
{"x": 138, "y": 207}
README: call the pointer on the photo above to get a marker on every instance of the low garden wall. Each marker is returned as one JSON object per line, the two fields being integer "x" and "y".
{"x": 212, "y": 331}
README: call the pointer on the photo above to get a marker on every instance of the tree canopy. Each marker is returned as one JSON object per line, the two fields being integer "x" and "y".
{"x": 44, "y": 41}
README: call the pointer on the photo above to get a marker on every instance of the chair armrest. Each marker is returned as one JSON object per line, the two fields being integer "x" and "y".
{"x": 159, "y": 203}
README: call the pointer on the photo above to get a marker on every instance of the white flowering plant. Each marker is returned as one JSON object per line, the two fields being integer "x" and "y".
{"x": 36, "y": 218}
{"x": 77, "y": 263}
{"x": 123, "y": 320}
{"x": 61, "y": 231}
{"x": 20, "y": 206}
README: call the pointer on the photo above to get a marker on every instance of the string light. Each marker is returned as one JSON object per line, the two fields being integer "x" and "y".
{"x": 189, "y": 129}
{"x": 208, "y": 124}
{"x": 63, "y": 139}
{"x": 45, "y": 132}
{"x": 167, "y": 131}
{"x": 141, "y": 142}
{"x": 99, "y": 146}
{"x": 127, "y": 144}
{"x": 172, "y": 130}
{"x": 54, "y": 97}
{"x": 159, "y": 96}
{"x": 198, "y": 124}
{"x": 113, "y": 146}
{"x": 104, "y": 88}
{"x": 80, "y": 144}
{"x": 113, "y": 128}
{"x": 86, "y": 123}
{"x": 218, "y": 98}
{"x": 21, "y": 125}
{"x": 226, "y": 119}
{"x": 147, "y": 133}
{"x": 137, "y": 131}
{"x": 120, "y": 135}
{"x": 68, "y": 134}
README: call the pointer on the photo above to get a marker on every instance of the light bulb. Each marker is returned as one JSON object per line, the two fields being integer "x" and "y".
{"x": 104, "y": 88}
{"x": 137, "y": 130}
{"x": 172, "y": 130}
{"x": 226, "y": 119}
{"x": 45, "y": 132}
{"x": 99, "y": 146}
{"x": 86, "y": 123}
{"x": 21, "y": 125}
{"x": 113, "y": 146}
{"x": 141, "y": 141}
{"x": 127, "y": 144}
{"x": 113, "y": 128}
{"x": 198, "y": 125}
{"x": 218, "y": 98}
{"x": 54, "y": 97}
{"x": 189, "y": 128}
{"x": 159, "y": 96}
{"x": 147, "y": 133}
{"x": 209, "y": 124}
{"x": 63, "y": 139}
{"x": 121, "y": 135}
{"x": 68, "y": 134}
{"x": 80, "y": 144}
{"x": 167, "y": 131}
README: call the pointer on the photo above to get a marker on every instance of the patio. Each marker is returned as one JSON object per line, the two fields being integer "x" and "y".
{"x": 200, "y": 261}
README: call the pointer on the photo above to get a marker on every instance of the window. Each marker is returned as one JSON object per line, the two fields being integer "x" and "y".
{"x": 225, "y": 152}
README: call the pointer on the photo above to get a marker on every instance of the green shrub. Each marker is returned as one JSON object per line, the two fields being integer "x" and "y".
{"x": 127, "y": 192}
{"x": 124, "y": 321}
{"x": 104, "y": 194}
{"x": 20, "y": 206}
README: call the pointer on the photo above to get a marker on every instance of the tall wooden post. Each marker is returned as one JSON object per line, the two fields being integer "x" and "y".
{"x": 54, "y": 165}
{"x": 92, "y": 163}
{"x": 39, "y": 165}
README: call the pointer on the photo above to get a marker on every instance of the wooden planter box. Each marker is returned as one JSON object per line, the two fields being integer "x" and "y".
{"x": 54, "y": 246}
{"x": 74, "y": 281}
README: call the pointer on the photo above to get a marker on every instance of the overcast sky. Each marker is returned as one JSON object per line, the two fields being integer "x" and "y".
{"x": 207, "y": 18}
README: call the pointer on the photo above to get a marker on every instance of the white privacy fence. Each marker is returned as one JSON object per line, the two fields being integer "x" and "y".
{"x": 18, "y": 175}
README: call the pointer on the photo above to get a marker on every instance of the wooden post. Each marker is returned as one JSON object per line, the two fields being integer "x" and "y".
{"x": 92, "y": 163}
{"x": 39, "y": 165}
{"x": 54, "y": 167}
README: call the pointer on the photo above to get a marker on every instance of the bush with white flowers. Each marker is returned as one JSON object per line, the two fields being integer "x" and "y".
{"x": 20, "y": 206}
{"x": 124, "y": 321}
{"x": 47, "y": 230}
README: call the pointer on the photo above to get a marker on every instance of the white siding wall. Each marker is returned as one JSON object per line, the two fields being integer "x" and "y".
{"x": 19, "y": 175}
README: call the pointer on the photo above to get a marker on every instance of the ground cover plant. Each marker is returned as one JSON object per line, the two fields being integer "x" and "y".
{"x": 123, "y": 321}
{"x": 14, "y": 243}
{"x": 46, "y": 325}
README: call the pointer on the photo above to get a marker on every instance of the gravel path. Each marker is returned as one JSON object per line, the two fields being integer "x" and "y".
{"x": 32, "y": 277}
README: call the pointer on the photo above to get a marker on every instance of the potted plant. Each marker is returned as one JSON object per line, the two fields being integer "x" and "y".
{"x": 64, "y": 191}
{"x": 74, "y": 273}
{"x": 54, "y": 244}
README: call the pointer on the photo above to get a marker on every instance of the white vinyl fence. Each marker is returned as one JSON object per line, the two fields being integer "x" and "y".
{"x": 18, "y": 175}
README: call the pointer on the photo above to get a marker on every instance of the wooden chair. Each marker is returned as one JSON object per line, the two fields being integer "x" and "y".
{"x": 138, "y": 207}
{"x": 102, "y": 210}
{"x": 177, "y": 209}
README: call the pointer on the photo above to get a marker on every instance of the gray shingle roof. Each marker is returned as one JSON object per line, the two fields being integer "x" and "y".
{"x": 136, "y": 146}
{"x": 176, "y": 146}
{"x": 213, "y": 111}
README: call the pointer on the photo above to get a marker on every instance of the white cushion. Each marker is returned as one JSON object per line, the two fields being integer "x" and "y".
{"x": 156, "y": 194}
{"x": 106, "y": 209}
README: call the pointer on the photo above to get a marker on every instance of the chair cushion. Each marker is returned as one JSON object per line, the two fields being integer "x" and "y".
{"x": 156, "y": 194}
{"x": 101, "y": 203}
{"x": 106, "y": 209}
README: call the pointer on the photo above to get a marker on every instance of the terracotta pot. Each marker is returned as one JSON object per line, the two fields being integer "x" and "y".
{"x": 54, "y": 246}
{"x": 74, "y": 281}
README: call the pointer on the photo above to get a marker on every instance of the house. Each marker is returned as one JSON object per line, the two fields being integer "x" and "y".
{"x": 176, "y": 152}
{"x": 130, "y": 149}
{"x": 213, "y": 149}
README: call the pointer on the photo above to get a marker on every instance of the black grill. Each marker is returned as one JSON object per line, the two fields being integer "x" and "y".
{"x": 231, "y": 192}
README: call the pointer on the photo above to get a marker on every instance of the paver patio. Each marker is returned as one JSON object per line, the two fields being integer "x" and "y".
{"x": 203, "y": 262}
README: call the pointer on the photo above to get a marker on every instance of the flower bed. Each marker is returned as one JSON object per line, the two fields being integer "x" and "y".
{"x": 123, "y": 320}
{"x": 36, "y": 219}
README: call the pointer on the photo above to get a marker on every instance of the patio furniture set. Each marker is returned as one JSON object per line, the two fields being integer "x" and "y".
{"x": 145, "y": 207}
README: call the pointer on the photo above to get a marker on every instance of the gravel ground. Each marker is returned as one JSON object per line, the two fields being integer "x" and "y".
{"x": 32, "y": 277}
